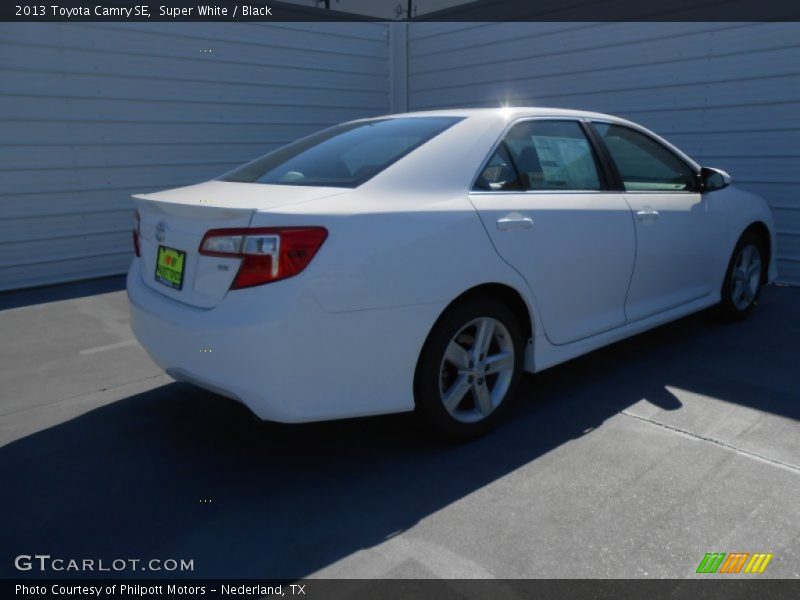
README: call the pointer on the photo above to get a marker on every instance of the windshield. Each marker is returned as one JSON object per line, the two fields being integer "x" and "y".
{"x": 342, "y": 156}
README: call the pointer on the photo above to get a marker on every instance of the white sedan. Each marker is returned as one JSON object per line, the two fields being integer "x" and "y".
{"x": 423, "y": 261}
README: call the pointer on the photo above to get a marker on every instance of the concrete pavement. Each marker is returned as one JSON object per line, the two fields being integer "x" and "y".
{"x": 633, "y": 461}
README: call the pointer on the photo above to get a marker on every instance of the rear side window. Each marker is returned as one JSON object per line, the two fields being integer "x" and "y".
{"x": 343, "y": 156}
{"x": 643, "y": 163}
{"x": 547, "y": 155}
{"x": 499, "y": 173}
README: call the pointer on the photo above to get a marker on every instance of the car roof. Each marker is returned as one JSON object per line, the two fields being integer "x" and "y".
{"x": 458, "y": 151}
{"x": 509, "y": 112}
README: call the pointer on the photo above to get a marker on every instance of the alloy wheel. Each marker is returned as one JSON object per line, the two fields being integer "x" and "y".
{"x": 746, "y": 277}
{"x": 476, "y": 370}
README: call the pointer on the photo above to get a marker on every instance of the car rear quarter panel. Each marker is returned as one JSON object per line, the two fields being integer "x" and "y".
{"x": 386, "y": 256}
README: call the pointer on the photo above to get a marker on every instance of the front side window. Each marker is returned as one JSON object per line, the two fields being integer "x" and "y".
{"x": 343, "y": 156}
{"x": 643, "y": 163}
{"x": 544, "y": 155}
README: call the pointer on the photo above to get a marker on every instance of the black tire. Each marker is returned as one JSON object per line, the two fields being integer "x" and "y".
{"x": 729, "y": 309}
{"x": 433, "y": 371}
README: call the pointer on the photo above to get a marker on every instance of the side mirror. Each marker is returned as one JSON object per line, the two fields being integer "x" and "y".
{"x": 714, "y": 179}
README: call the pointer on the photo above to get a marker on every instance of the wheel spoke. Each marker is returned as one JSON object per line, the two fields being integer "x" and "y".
{"x": 738, "y": 291}
{"x": 747, "y": 292}
{"x": 483, "y": 398}
{"x": 496, "y": 363}
{"x": 747, "y": 255}
{"x": 483, "y": 338}
{"x": 457, "y": 356}
{"x": 453, "y": 396}
{"x": 754, "y": 268}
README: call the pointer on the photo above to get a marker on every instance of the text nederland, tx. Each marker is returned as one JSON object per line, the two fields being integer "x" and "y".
{"x": 143, "y": 10}
{"x": 60, "y": 589}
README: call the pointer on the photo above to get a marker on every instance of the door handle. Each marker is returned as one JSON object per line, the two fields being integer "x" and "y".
{"x": 646, "y": 213}
{"x": 514, "y": 222}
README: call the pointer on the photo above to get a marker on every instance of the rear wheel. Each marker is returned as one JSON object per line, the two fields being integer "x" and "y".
{"x": 744, "y": 278}
{"x": 469, "y": 368}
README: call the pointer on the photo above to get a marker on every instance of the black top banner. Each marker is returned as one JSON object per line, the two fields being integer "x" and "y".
{"x": 482, "y": 10}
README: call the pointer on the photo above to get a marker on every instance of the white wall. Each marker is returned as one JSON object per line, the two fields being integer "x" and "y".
{"x": 726, "y": 93}
{"x": 91, "y": 113}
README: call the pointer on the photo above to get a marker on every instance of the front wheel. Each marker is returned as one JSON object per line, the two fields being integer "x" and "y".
{"x": 469, "y": 368}
{"x": 744, "y": 278}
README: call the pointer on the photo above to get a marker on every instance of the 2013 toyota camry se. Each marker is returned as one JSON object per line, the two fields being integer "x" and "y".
{"x": 423, "y": 261}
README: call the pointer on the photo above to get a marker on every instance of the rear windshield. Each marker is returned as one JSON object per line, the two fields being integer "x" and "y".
{"x": 342, "y": 156}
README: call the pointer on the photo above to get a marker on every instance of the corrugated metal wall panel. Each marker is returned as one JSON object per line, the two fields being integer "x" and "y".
{"x": 726, "y": 93}
{"x": 91, "y": 113}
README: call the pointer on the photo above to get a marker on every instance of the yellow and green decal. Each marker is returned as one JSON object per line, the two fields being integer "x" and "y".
{"x": 734, "y": 562}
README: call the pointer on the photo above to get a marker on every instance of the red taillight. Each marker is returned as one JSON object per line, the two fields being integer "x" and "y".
{"x": 268, "y": 253}
{"x": 136, "y": 230}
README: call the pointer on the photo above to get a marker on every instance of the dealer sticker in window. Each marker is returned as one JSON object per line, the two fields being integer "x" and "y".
{"x": 169, "y": 267}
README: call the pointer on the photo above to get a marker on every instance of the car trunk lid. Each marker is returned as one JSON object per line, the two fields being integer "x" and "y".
{"x": 172, "y": 224}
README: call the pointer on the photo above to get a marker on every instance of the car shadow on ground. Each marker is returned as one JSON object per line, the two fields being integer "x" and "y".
{"x": 179, "y": 472}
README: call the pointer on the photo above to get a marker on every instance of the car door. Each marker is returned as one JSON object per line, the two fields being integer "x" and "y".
{"x": 675, "y": 225}
{"x": 544, "y": 200}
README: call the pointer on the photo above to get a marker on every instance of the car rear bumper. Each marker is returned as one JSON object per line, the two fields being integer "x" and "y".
{"x": 276, "y": 350}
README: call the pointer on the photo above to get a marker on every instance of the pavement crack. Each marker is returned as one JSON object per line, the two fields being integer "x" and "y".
{"x": 794, "y": 469}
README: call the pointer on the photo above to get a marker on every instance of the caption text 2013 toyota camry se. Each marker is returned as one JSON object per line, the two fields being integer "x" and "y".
{"x": 423, "y": 261}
